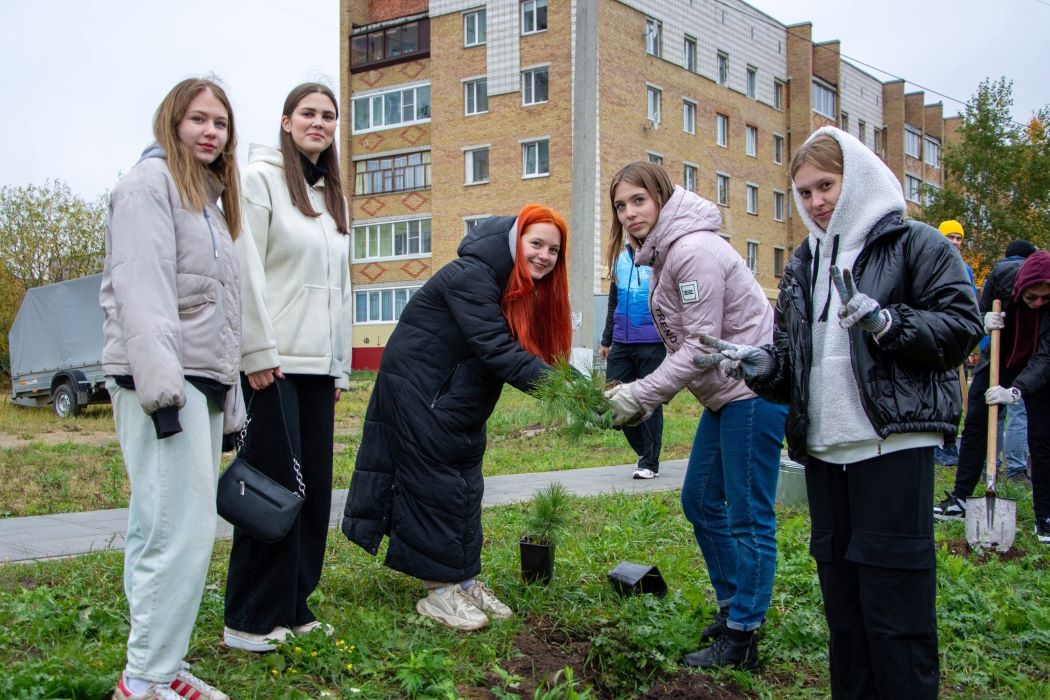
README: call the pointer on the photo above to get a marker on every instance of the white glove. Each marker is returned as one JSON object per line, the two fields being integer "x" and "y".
{"x": 858, "y": 309}
{"x": 626, "y": 409}
{"x": 736, "y": 361}
{"x": 994, "y": 320}
{"x": 1002, "y": 395}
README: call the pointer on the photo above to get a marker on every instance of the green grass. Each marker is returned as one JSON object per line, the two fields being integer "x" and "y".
{"x": 70, "y": 474}
{"x": 65, "y": 622}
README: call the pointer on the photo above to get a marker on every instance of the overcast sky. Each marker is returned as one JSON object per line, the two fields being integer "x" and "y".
{"x": 82, "y": 78}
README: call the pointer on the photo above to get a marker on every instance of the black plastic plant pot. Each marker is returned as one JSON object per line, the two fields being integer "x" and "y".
{"x": 537, "y": 561}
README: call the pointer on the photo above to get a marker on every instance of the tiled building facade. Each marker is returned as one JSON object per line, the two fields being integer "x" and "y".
{"x": 460, "y": 109}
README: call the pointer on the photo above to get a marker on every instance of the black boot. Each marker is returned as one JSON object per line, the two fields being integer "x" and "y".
{"x": 734, "y": 648}
{"x": 717, "y": 627}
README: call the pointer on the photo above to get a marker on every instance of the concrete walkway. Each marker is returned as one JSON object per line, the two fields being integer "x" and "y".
{"x": 69, "y": 534}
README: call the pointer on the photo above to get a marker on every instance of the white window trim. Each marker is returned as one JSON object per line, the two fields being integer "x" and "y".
{"x": 659, "y": 102}
{"x": 466, "y": 82}
{"x": 690, "y": 39}
{"x": 783, "y": 85}
{"x": 366, "y": 290}
{"x": 718, "y": 69}
{"x": 521, "y": 18}
{"x": 658, "y": 44}
{"x": 718, "y": 120}
{"x": 833, "y": 91}
{"x": 752, "y": 72}
{"x": 918, "y": 195}
{"x": 694, "y": 105}
{"x": 747, "y": 261}
{"x": 535, "y": 139}
{"x": 382, "y": 91}
{"x": 468, "y": 149}
{"x": 696, "y": 175}
{"x": 749, "y": 130}
{"x": 751, "y": 187}
{"x": 472, "y": 217}
{"x": 655, "y": 154}
{"x": 783, "y": 147}
{"x": 389, "y": 220}
{"x": 530, "y": 69}
{"x": 729, "y": 179}
{"x": 918, "y": 139}
{"x": 783, "y": 260}
{"x": 783, "y": 214}
{"x": 468, "y": 13}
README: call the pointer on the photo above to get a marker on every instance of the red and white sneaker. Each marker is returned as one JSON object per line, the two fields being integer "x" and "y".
{"x": 188, "y": 686}
{"x": 155, "y": 691}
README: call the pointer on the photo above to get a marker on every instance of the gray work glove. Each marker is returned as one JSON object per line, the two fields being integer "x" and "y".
{"x": 857, "y": 308}
{"x": 627, "y": 410}
{"x": 736, "y": 361}
{"x": 994, "y": 320}
{"x": 1001, "y": 395}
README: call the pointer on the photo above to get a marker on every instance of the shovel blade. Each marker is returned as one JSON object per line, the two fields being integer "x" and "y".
{"x": 991, "y": 523}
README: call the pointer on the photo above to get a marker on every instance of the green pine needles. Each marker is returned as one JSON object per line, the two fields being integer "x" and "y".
{"x": 548, "y": 514}
{"x": 574, "y": 398}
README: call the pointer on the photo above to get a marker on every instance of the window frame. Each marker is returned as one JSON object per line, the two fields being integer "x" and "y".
{"x": 472, "y": 84}
{"x": 822, "y": 89}
{"x": 367, "y": 294}
{"x": 779, "y": 205}
{"x": 536, "y": 6}
{"x": 778, "y": 149}
{"x": 779, "y": 255}
{"x": 481, "y": 13}
{"x": 751, "y": 140}
{"x": 752, "y": 199}
{"x": 380, "y": 37}
{"x": 720, "y": 179}
{"x": 654, "y": 37}
{"x": 689, "y": 53}
{"x": 689, "y": 116}
{"x": 751, "y": 84}
{"x": 688, "y": 167}
{"x": 369, "y": 100}
{"x": 653, "y": 108}
{"x": 911, "y": 134}
{"x": 543, "y": 141}
{"x": 721, "y": 130}
{"x": 778, "y": 95}
{"x": 722, "y": 68}
{"x": 470, "y": 164}
{"x": 529, "y": 82}
{"x": 931, "y": 148}
{"x": 752, "y": 256}
{"x": 363, "y": 229}
{"x": 366, "y": 177}
{"x": 911, "y": 181}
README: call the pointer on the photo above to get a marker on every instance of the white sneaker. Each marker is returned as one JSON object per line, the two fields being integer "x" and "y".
{"x": 643, "y": 473}
{"x": 311, "y": 626}
{"x": 235, "y": 639}
{"x": 484, "y": 599}
{"x": 187, "y": 685}
{"x": 155, "y": 691}
{"x": 453, "y": 608}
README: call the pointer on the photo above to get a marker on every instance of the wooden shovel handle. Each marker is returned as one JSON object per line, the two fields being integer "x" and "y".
{"x": 993, "y": 410}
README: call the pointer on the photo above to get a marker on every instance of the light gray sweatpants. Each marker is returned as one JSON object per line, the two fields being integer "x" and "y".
{"x": 171, "y": 527}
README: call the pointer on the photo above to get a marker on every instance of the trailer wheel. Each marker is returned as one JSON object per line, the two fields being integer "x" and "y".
{"x": 64, "y": 401}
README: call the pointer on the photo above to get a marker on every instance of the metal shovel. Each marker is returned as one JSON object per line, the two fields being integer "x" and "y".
{"x": 991, "y": 522}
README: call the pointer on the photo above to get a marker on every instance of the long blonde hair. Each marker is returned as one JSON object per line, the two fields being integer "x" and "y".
{"x": 191, "y": 177}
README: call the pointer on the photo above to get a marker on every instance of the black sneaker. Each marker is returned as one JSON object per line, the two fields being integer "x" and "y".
{"x": 717, "y": 627}
{"x": 951, "y": 508}
{"x": 1042, "y": 530}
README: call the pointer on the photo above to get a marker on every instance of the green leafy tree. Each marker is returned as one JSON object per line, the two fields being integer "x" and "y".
{"x": 47, "y": 234}
{"x": 998, "y": 177}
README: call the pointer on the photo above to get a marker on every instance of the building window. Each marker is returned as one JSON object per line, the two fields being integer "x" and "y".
{"x": 722, "y": 130}
{"x": 752, "y": 256}
{"x": 912, "y": 189}
{"x": 653, "y": 102}
{"x": 471, "y": 222}
{"x": 778, "y": 95}
{"x": 688, "y": 117}
{"x": 533, "y": 16}
{"x": 535, "y": 158}
{"x": 779, "y": 201}
{"x": 930, "y": 193}
{"x": 862, "y": 131}
{"x": 752, "y": 82}
{"x": 878, "y": 143}
{"x": 912, "y": 142}
{"x": 381, "y": 305}
{"x": 751, "y": 140}
{"x": 389, "y": 45}
{"x": 823, "y": 100}
{"x": 932, "y": 155}
{"x": 689, "y": 51}
{"x": 722, "y": 188}
{"x": 844, "y": 122}
{"x": 752, "y": 199}
{"x": 723, "y": 68}
{"x": 534, "y": 86}
{"x": 778, "y": 261}
{"x": 476, "y": 161}
{"x": 778, "y": 149}
{"x": 393, "y": 239}
{"x": 410, "y": 171}
{"x": 689, "y": 172}
{"x": 653, "y": 36}
{"x": 392, "y": 108}
{"x": 474, "y": 28}
{"x": 476, "y": 96}
{"x": 654, "y": 158}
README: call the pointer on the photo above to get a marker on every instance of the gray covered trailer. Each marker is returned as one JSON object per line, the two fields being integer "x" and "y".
{"x": 56, "y": 347}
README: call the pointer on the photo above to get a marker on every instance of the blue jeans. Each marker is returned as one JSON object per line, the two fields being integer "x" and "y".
{"x": 1014, "y": 444}
{"x": 728, "y": 493}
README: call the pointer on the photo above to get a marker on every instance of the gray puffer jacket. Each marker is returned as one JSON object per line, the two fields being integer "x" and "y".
{"x": 170, "y": 291}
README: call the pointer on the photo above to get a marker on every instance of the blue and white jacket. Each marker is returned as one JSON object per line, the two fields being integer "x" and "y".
{"x": 628, "y": 319}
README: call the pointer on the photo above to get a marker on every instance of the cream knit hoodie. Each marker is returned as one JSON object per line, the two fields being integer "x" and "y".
{"x": 295, "y": 279}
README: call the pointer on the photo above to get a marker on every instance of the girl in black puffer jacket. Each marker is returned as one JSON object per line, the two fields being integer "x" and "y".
{"x": 870, "y": 374}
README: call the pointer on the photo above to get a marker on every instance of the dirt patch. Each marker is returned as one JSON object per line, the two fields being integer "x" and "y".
{"x": 59, "y": 436}
{"x": 544, "y": 650}
{"x": 961, "y": 548}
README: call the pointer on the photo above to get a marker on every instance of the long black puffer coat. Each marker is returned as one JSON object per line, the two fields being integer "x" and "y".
{"x": 909, "y": 380}
{"x": 418, "y": 472}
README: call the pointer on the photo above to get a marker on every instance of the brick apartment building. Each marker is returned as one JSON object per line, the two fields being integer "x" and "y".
{"x": 460, "y": 109}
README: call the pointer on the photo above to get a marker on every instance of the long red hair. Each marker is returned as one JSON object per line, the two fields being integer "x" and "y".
{"x": 538, "y": 312}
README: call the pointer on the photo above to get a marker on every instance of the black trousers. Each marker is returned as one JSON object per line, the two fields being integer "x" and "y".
{"x": 1037, "y": 404}
{"x": 973, "y": 445}
{"x": 626, "y": 363}
{"x": 267, "y": 584}
{"x": 872, "y": 538}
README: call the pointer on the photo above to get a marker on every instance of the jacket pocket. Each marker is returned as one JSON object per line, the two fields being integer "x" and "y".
{"x": 302, "y": 326}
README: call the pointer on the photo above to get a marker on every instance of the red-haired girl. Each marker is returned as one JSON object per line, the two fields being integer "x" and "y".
{"x": 497, "y": 314}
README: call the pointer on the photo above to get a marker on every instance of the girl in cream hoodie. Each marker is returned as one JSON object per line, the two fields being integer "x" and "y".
{"x": 295, "y": 359}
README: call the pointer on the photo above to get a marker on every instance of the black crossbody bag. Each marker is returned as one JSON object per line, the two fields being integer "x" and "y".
{"x": 253, "y": 502}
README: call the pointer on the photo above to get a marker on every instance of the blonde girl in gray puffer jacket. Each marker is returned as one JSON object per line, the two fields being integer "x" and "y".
{"x": 171, "y": 298}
